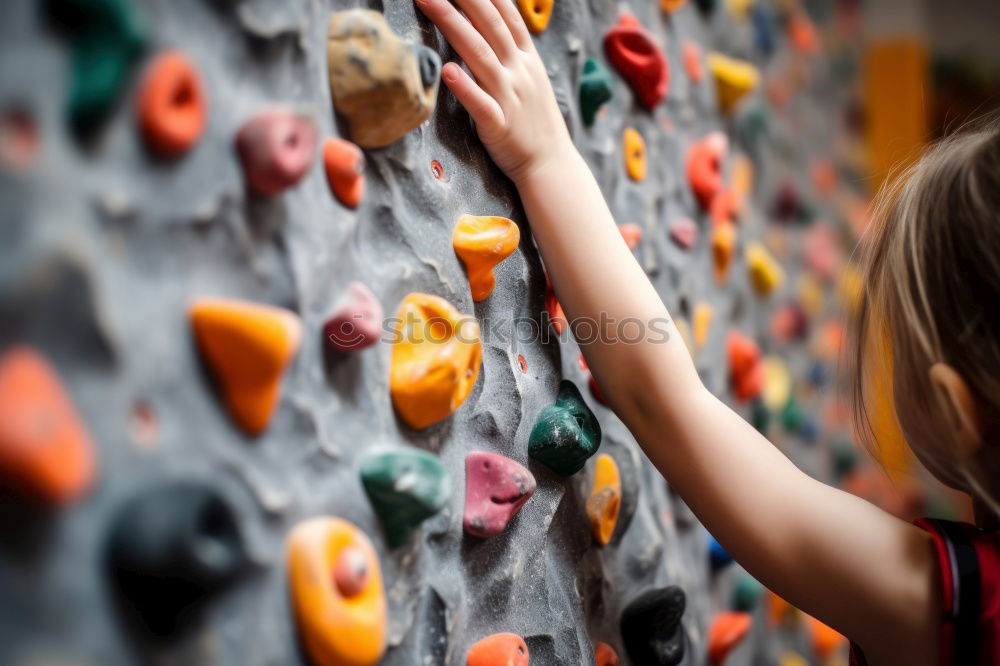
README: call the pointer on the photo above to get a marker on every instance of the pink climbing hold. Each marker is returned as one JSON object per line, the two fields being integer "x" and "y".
{"x": 496, "y": 488}
{"x": 684, "y": 233}
{"x": 639, "y": 59}
{"x": 691, "y": 53}
{"x": 632, "y": 233}
{"x": 356, "y": 321}
{"x": 276, "y": 148}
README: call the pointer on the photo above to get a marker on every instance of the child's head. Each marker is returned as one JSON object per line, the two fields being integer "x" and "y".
{"x": 930, "y": 311}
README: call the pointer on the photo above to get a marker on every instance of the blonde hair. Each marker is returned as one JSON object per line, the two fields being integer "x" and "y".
{"x": 931, "y": 293}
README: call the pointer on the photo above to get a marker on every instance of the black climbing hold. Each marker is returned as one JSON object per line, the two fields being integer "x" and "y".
{"x": 651, "y": 627}
{"x": 170, "y": 549}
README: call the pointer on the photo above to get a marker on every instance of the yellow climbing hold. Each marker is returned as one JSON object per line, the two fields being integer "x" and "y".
{"x": 701, "y": 322}
{"x": 481, "y": 243}
{"x": 605, "y": 499}
{"x": 733, "y": 79}
{"x": 536, "y": 13}
{"x": 812, "y": 296}
{"x": 766, "y": 273}
{"x": 777, "y": 384}
{"x": 634, "y": 147}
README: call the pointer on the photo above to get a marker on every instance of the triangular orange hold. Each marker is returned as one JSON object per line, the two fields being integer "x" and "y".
{"x": 247, "y": 346}
{"x": 45, "y": 450}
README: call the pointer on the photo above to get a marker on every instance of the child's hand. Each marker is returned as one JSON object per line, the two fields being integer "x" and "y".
{"x": 511, "y": 99}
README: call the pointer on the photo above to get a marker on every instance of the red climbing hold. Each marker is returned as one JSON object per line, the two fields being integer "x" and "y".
{"x": 356, "y": 320}
{"x": 637, "y": 57}
{"x": 171, "y": 105}
{"x": 555, "y": 311}
{"x": 496, "y": 488}
{"x": 704, "y": 167}
{"x": 632, "y": 233}
{"x": 605, "y": 655}
{"x": 276, "y": 148}
{"x": 345, "y": 170}
{"x": 745, "y": 368}
{"x": 726, "y": 632}
{"x": 45, "y": 450}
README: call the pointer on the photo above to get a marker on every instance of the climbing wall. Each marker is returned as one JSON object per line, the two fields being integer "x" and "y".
{"x": 201, "y": 467}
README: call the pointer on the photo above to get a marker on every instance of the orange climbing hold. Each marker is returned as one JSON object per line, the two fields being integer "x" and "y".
{"x": 691, "y": 54}
{"x": 481, "y": 243}
{"x": 825, "y": 640}
{"x": 605, "y": 655}
{"x": 745, "y": 367}
{"x": 498, "y": 650}
{"x": 171, "y": 105}
{"x": 554, "y": 309}
{"x": 802, "y": 33}
{"x": 536, "y": 13}
{"x": 704, "y": 167}
{"x": 672, "y": 5}
{"x": 726, "y": 632}
{"x": 723, "y": 243}
{"x": 247, "y": 346}
{"x": 701, "y": 322}
{"x": 337, "y": 593}
{"x": 726, "y": 207}
{"x": 632, "y": 233}
{"x": 45, "y": 450}
{"x": 605, "y": 499}
{"x": 345, "y": 170}
{"x": 435, "y": 359}
{"x": 635, "y": 154}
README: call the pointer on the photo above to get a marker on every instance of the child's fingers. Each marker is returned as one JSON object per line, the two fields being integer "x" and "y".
{"x": 484, "y": 109}
{"x": 515, "y": 23}
{"x": 466, "y": 41}
{"x": 487, "y": 20}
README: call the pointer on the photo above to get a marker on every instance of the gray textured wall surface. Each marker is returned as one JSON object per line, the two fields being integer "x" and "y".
{"x": 102, "y": 248}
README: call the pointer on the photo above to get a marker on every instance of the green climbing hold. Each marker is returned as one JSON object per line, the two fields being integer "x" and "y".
{"x": 566, "y": 433}
{"x": 746, "y": 593}
{"x": 595, "y": 90}
{"x": 845, "y": 458}
{"x": 760, "y": 416}
{"x": 792, "y": 416}
{"x": 406, "y": 486}
{"x": 107, "y": 38}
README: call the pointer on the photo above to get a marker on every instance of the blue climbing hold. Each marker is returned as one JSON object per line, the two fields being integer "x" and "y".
{"x": 718, "y": 555}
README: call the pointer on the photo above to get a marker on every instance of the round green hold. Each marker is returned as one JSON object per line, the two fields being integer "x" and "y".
{"x": 746, "y": 593}
{"x": 792, "y": 416}
{"x": 405, "y": 487}
{"x": 595, "y": 90}
{"x": 566, "y": 433}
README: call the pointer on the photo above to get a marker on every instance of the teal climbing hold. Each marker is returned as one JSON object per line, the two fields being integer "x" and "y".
{"x": 107, "y": 38}
{"x": 406, "y": 486}
{"x": 566, "y": 433}
{"x": 792, "y": 416}
{"x": 595, "y": 90}
{"x": 747, "y": 591}
{"x": 760, "y": 416}
{"x": 845, "y": 458}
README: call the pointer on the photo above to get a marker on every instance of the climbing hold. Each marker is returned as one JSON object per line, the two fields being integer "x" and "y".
{"x": 437, "y": 170}
{"x": 746, "y": 371}
{"x": 792, "y": 416}
{"x": 684, "y": 233}
{"x": 637, "y": 57}
{"x": 742, "y": 178}
{"x": 825, "y": 640}
{"x": 406, "y": 487}
{"x": 344, "y": 164}
{"x": 632, "y": 233}
{"x": 691, "y": 55}
{"x": 672, "y": 5}
{"x": 760, "y": 417}
{"x": 821, "y": 251}
{"x": 789, "y": 207}
{"x": 777, "y": 383}
{"x": 762, "y": 18}
{"x": 605, "y": 499}
{"x": 481, "y": 243}
{"x": 824, "y": 176}
{"x": 651, "y": 627}
{"x": 595, "y": 390}
{"x": 723, "y": 242}
{"x": 170, "y": 549}
{"x": 383, "y": 86}
{"x": 45, "y": 450}
{"x": 337, "y": 594}
{"x": 718, "y": 556}
{"x": 802, "y": 33}
{"x": 19, "y": 139}
{"x": 789, "y": 323}
{"x": 605, "y": 655}
{"x": 747, "y": 592}
{"x": 812, "y": 296}
{"x": 734, "y": 79}
{"x": 356, "y": 320}
{"x": 725, "y": 207}
{"x": 171, "y": 105}
{"x": 778, "y": 610}
{"x": 276, "y": 149}
{"x": 727, "y": 631}
{"x": 536, "y": 13}
{"x": 595, "y": 89}
{"x": 435, "y": 359}
{"x": 706, "y": 6}
{"x": 792, "y": 659}
{"x": 553, "y": 309}
{"x": 566, "y": 433}
{"x": 496, "y": 488}
{"x": 704, "y": 167}
{"x": 634, "y": 147}
{"x": 522, "y": 364}
{"x": 498, "y": 650}
{"x": 247, "y": 346}
{"x": 107, "y": 38}
{"x": 766, "y": 274}
{"x": 702, "y": 321}
{"x": 818, "y": 374}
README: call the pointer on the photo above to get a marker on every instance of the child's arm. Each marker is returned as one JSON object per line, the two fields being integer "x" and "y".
{"x": 835, "y": 556}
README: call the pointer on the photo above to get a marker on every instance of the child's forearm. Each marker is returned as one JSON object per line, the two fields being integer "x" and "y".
{"x": 746, "y": 492}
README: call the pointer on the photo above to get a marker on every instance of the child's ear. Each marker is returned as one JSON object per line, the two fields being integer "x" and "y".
{"x": 961, "y": 408}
